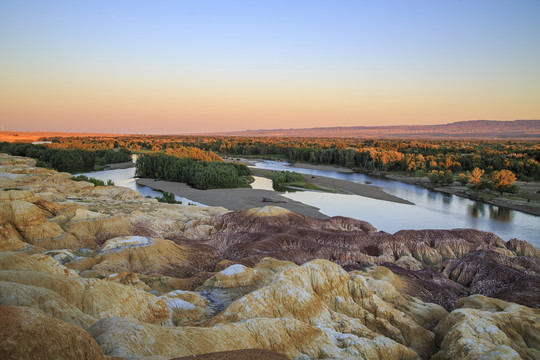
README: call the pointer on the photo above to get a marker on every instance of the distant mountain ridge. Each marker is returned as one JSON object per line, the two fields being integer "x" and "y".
{"x": 488, "y": 129}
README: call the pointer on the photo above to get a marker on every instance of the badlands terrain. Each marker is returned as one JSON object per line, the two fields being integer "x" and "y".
{"x": 96, "y": 272}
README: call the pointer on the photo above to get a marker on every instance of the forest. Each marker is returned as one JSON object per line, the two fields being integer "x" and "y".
{"x": 199, "y": 174}
{"x": 70, "y": 160}
{"x": 411, "y": 157}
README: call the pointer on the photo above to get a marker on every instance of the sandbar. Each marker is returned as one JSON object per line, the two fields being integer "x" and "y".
{"x": 234, "y": 199}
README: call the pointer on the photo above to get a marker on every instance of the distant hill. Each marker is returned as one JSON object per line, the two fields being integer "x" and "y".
{"x": 480, "y": 129}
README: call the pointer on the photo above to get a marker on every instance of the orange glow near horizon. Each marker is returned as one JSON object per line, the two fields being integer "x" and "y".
{"x": 151, "y": 107}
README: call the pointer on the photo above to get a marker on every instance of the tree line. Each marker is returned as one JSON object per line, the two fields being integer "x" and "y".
{"x": 73, "y": 160}
{"x": 415, "y": 157}
{"x": 196, "y": 173}
{"x": 163, "y": 144}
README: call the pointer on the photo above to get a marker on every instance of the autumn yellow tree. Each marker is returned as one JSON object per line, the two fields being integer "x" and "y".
{"x": 475, "y": 178}
{"x": 503, "y": 180}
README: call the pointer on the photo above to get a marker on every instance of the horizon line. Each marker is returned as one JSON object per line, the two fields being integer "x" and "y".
{"x": 254, "y": 130}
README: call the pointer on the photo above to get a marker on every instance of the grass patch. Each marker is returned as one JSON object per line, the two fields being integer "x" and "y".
{"x": 290, "y": 180}
{"x": 302, "y": 185}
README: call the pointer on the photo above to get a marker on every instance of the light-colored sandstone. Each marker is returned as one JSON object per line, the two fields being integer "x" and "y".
{"x": 96, "y": 298}
{"x": 485, "y": 328}
{"x": 28, "y": 333}
{"x": 36, "y": 262}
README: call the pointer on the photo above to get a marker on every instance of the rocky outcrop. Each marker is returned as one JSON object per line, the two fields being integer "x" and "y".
{"x": 27, "y": 218}
{"x": 29, "y": 333}
{"x": 316, "y": 310}
{"x": 46, "y": 300}
{"x": 426, "y": 284}
{"x": 98, "y": 214}
{"x": 128, "y": 278}
{"x": 294, "y": 339}
{"x": 187, "y": 307}
{"x": 247, "y": 354}
{"x": 417, "y": 257}
{"x": 145, "y": 255}
{"x": 515, "y": 279}
{"x": 76, "y": 299}
{"x": 244, "y": 235}
{"x": 36, "y": 262}
{"x": 92, "y": 229}
{"x": 10, "y": 239}
{"x": 485, "y": 328}
{"x": 523, "y": 248}
{"x": 31, "y": 224}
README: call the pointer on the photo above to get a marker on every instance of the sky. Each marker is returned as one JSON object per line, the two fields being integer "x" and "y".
{"x": 175, "y": 67}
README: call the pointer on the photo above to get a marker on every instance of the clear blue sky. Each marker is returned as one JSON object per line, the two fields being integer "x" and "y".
{"x": 188, "y": 66}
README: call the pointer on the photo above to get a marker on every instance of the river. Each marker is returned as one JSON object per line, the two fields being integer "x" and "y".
{"x": 432, "y": 210}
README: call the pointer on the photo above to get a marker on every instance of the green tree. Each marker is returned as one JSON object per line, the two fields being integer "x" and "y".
{"x": 463, "y": 179}
{"x": 435, "y": 177}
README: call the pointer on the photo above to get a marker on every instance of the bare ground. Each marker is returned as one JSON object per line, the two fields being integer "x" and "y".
{"x": 124, "y": 165}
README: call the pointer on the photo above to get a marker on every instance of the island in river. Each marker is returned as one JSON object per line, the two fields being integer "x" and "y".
{"x": 245, "y": 198}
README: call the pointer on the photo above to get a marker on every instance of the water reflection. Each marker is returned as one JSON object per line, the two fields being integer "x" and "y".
{"x": 500, "y": 213}
{"x": 477, "y": 209}
{"x": 447, "y": 199}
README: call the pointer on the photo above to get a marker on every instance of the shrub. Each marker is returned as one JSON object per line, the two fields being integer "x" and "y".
{"x": 92, "y": 180}
{"x": 284, "y": 177}
{"x": 168, "y": 198}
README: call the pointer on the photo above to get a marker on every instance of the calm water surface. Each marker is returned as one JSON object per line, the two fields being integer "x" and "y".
{"x": 125, "y": 178}
{"x": 432, "y": 210}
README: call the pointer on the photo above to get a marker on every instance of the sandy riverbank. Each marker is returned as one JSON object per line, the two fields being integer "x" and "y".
{"x": 251, "y": 162}
{"x": 124, "y": 165}
{"x": 233, "y": 199}
{"x": 322, "y": 167}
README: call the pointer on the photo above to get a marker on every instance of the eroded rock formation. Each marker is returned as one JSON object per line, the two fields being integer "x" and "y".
{"x": 91, "y": 272}
{"x": 28, "y": 333}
